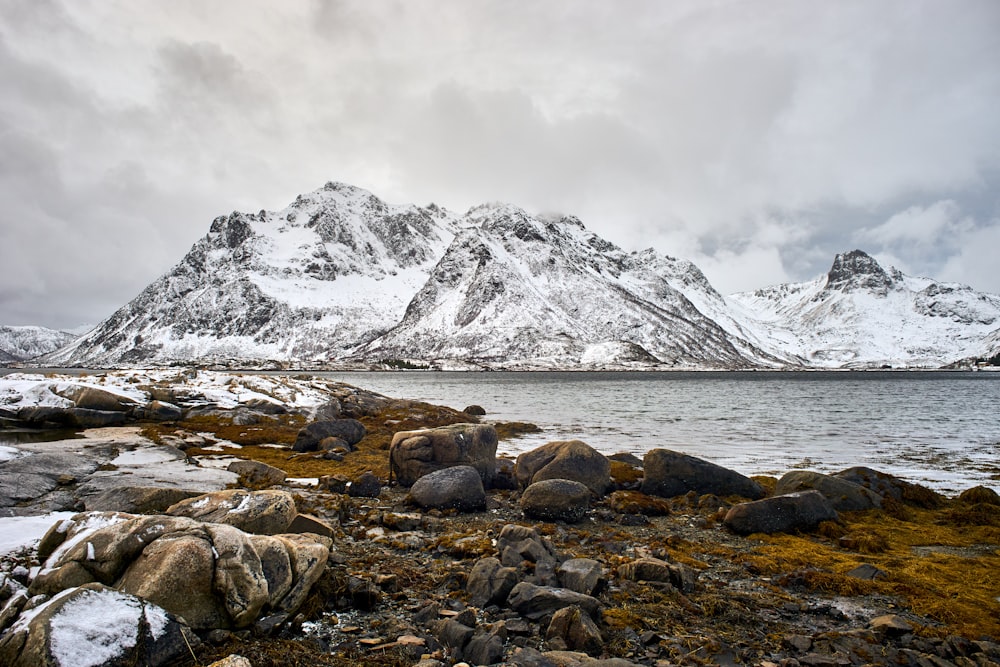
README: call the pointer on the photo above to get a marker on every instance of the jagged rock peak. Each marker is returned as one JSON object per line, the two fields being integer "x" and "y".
{"x": 858, "y": 269}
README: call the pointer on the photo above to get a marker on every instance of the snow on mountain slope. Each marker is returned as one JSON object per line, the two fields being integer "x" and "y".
{"x": 20, "y": 343}
{"x": 516, "y": 291}
{"x": 333, "y": 270}
{"x": 861, "y": 315}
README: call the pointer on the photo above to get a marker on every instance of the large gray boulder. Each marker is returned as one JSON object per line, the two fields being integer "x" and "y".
{"x": 568, "y": 459}
{"x": 845, "y": 496}
{"x": 263, "y": 512}
{"x": 96, "y": 625}
{"x": 413, "y": 454}
{"x": 257, "y": 474}
{"x": 781, "y": 514}
{"x": 668, "y": 473}
{"x": 350, "y": 431}
{"x": 556, "y": 500}
{"x": 459, "y": 488}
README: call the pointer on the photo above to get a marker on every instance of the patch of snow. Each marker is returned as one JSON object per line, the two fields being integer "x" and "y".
{"x": 17, "y": 532}
{"x": 10, "y": 453}
{"x": 78, "y": 641}
{"x": 303, "y": 481}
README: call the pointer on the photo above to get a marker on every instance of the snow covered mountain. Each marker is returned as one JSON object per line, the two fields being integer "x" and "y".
{"x": 514, "y": 291}
{"x": 341, "y": 279}
{"x": 308, "y": 283}
{"x": 861, "y": 315}
{"x": 21, "y": 343}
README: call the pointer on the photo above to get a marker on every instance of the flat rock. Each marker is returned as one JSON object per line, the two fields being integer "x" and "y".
{"x": 534, "y": 602}
{"x": 138, "y": 500}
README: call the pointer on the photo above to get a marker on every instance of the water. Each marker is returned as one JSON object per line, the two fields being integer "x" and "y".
{"x": 936, "y": 428}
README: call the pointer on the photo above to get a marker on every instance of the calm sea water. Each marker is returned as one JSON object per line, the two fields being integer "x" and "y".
{"x": 937, "y": 428}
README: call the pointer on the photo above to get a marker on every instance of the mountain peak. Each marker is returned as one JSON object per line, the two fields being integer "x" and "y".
{"x": 858, "y": 270}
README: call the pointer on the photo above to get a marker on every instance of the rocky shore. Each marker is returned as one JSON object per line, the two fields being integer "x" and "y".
{"x": 298, "y": 521}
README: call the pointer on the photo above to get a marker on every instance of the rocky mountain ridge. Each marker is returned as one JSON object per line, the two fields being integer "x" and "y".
{"x": 26, "y": 342}
{"x": 340, "y": 279}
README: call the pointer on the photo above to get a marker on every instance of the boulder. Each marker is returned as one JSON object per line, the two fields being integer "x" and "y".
{"x": 781, "y": 514}
{"x": 574, "y": 630}
{"x": 137, "y": 499}
{"x": 349, "y": 430}
{"x": 459, "y": 487}
{"x": 845, "y": 496}
{"x": 307, "y": 523}
{"x": 979, "y": 495}
{"x": 636, "y": 502}
{"x": 583, "y": 575}
{"x": 257, "y": 474}
{"x": 96, "y": 625}
{"x": 679, "y": 576}
{"x": 475, "y": 410}
{"x": 365, "y": 486}
{"x": 413, "y": 454}
{"x": 212, "y": 575}
{"x": 262, "y": 512}
{"x": 490, "y": 582}
{"x": 534, "y": 602}
{"x": 668, "y": 473}
{"x": 889, "y": 486}
{"x": 571, "y": 459}
{"x": 487, "y": 645}
{"x": 160, "y": 411}
{"x": 556, "y": 500}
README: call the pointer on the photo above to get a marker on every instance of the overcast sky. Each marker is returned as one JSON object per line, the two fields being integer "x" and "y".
{"x": 756, "y": 139}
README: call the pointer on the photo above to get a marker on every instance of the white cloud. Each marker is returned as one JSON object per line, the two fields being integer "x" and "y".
{"x": 688, "y": 125}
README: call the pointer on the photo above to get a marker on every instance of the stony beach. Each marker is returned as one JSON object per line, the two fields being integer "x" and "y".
{"x": 297, "y": 521}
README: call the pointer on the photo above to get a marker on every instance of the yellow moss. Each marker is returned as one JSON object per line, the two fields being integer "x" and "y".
{"x": 938, "y": 585}
{"x": 623, "y": 473}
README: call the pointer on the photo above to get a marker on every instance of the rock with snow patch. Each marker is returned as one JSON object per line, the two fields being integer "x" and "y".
{"x": 213, "y": 575}
{"x": 263, "y": 512}
{"x": 96, "y": 625}
{"x": 570, "y": 459}
{"x": 668, "y": 473}
{"x": 350, "y": 431}
{"x": 556, "y": 500}
{"x": 458, "y": 487}
{"x": 781, "y": 514}
{"x": 413, "y": 454}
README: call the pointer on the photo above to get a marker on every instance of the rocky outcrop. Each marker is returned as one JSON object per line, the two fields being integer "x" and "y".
{"x": 458, "y": 487}
{"x": 96, "y": 625}
{"x": 572, "y": 459}
{"x": 212, "y": 575}
{"x": 668, "y": 473}
{"x": 781, "y": 514}
{"x": 137, "y": 499}
{"x": 845, "y": 496}
{"x": 413, "y": 454}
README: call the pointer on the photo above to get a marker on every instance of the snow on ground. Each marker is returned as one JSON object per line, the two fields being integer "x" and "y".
{"x": 17, "y": 532}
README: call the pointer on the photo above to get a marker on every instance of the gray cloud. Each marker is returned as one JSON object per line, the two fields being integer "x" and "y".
{"x": 756, "y": 139}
